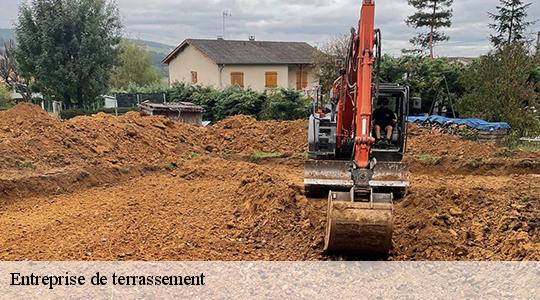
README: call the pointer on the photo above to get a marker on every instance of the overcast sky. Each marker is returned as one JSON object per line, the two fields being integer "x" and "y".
{"x": 313, "y": 21}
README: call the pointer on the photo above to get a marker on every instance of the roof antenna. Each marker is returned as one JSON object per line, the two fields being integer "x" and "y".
{"x": 226, "y": 14}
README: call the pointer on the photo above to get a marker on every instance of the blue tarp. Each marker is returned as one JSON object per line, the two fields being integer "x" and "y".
{"x": 473, "y": 123}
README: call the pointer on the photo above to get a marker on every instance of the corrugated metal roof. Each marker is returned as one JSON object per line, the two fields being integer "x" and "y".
{"x": 230, "y": 52}
{"x": 174, "y": 106}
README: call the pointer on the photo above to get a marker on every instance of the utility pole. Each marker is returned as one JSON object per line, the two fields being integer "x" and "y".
{"x": 538, "y": 43}
{"x": 226, "y": 14}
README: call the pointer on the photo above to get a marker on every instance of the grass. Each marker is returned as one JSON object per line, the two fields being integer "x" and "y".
{"x": 468, "y": 134}
{"x": 529, "y": 147}
{"x": 506, "y": 152}
{"x": 514, "y": 142}
{"x": 427, "y": 157}
{"x": 25, "y": 165}
{"x": 192, "y": 155}
{"x": 260, "y": 155}
{"x": 303, "y": 155}
{"x": 227, "y": 154}
{"x": 171, "y": 167}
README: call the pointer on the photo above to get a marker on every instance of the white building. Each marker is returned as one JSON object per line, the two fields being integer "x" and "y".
{"x": 248, "y": 64}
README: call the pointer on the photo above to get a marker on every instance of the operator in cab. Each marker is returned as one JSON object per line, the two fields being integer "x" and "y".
{"x": 384, "y": 120}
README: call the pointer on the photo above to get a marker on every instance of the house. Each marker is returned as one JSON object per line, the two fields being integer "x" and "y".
{"x": 259, "y": 65}
{"x": 178, "y": 111}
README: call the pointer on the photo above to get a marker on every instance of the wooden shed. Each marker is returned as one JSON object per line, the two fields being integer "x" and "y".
{"x": 178, "y": 111}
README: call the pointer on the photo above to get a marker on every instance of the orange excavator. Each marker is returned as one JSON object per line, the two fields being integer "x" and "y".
{"x": 363, "y": 175}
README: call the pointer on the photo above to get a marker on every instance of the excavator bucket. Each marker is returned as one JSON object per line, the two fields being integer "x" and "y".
{"x": 359, "y": 224}
{"x": 359, "y": 218}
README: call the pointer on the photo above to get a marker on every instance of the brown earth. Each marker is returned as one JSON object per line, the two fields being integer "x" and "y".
{"x": 145, "y": 188}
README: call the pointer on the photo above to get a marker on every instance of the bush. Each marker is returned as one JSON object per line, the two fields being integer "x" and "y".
{"x": 498, "y": 88}
{"x": 206, "y": 97}
{"x": 236, "y": 101}
{"x": 286, "y": 105}
{"x": 5, "y": 97}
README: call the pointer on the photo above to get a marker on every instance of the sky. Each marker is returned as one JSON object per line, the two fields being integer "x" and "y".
{"x": 312, "y": 21}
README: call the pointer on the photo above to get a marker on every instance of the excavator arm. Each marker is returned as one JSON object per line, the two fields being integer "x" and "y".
{"x": 364, "y": 97}
{"x": 354, "y": 88}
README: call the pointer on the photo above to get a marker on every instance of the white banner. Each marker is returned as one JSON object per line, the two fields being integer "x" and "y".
{"x": 270, "y": 280}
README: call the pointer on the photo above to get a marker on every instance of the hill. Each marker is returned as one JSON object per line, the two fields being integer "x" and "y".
{"x": 158, "y": 52}
{"x": 6, "y": 35}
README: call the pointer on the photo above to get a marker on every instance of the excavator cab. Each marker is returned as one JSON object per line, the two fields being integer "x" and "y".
{"x": 329, "y": 165}
{"x": 398, "y": 97}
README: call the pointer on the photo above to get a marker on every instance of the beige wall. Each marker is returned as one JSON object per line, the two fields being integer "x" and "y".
{"x": 313, "y": 79}
{"x": 255, "y": 76}
{"x": 193, "y": 60}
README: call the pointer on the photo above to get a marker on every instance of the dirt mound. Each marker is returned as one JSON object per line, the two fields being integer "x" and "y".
{"x": 35, "y": 143}
{"x": 433, "y": 142}
{"x": 207, "y": 209}
{"x": 469, "y": 218}
{"x": 430, "y": 151}
{"x": 242, "y": 134}
{"x": 34, "y": 140}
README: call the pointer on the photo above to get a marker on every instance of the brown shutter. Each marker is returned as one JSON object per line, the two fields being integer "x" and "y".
{"x": 271, "y": 80}
{"x": 194, "y": 78}
{"x": 301, "y": 80}
{"x": 237, "y": 78}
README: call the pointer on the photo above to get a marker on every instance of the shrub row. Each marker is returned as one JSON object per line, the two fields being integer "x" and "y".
{"x": 280, "y": 104}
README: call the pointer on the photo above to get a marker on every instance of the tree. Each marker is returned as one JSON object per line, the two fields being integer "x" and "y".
{"x": 499, "y": 88}
{"x": 9, "y": 72}
{"x": 134, "y": 68}
{"x": 433, "y": 14}
{"x": 510, "y": 24}
{"x": 329, "y": 58}
{"x": 427, "y": 78}
{"x": 68, "y": 47}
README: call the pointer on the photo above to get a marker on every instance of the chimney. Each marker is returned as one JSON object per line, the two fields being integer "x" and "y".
{"x": 252, "y": 38}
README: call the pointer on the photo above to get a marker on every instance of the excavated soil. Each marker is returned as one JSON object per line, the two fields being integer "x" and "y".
{"x": 146, "y": 188}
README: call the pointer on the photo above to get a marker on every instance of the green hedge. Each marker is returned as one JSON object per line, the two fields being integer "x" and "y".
{"x": 281, "y": 104}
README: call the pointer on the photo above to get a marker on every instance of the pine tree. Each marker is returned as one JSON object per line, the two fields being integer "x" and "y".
{"x": 510, "y": 24}
{"x": 434, "y": 15}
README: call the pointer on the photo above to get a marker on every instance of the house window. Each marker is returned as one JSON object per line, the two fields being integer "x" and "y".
{"x": 237, "y": 78}
{"x": 271, "y": 80}
{"x": 301, "y": 80}
{"x": 194, "y": 78}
